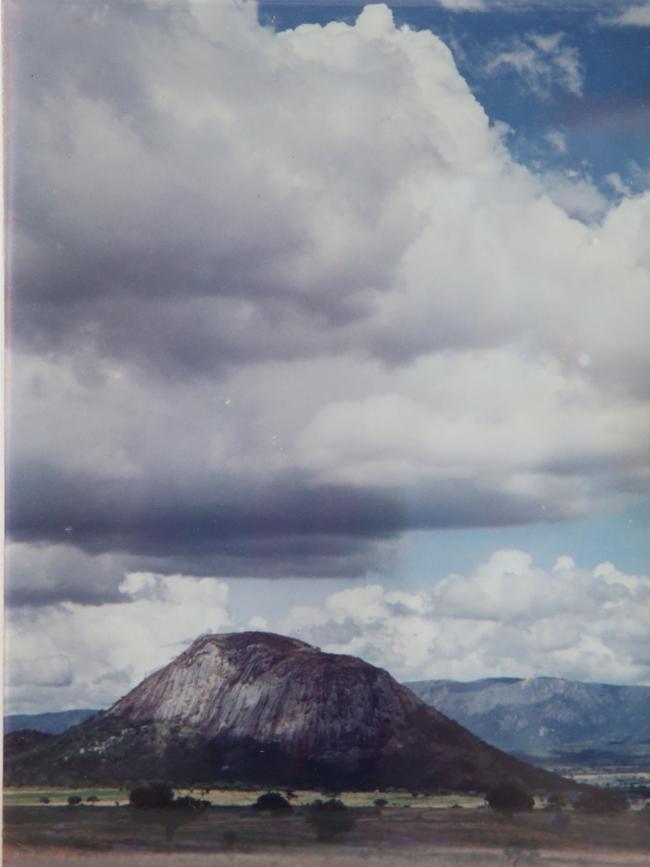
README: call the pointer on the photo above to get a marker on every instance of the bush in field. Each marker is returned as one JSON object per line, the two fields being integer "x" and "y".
{"x": 273, "y": 802}
{"x": 44, "y": 800}
{"x": 73, "y": 800}
{"x": 380, "y": 803}
{"x": 155, "y": 802}
{"x": 602, "y": 801}
{"x": 151, "y": 796}
{"x": 555, "y": 801}
{"x": 510, "y": 798}
{"x": 330, "y": 819}
{"x": 229, "y": 839}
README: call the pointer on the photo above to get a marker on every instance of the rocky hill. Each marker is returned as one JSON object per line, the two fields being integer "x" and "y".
{"x": 258, "y": 708}
{"x": 550, "y": 720}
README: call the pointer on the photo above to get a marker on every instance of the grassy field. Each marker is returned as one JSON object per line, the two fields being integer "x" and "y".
{"x": 398, "y": 833}
{"x": 238, "y": 797}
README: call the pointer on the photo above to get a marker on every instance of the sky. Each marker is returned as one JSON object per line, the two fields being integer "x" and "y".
{"x": 329, "y": 320}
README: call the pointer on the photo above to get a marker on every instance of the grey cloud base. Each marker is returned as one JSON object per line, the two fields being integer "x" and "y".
{"x": 225, "y": 527}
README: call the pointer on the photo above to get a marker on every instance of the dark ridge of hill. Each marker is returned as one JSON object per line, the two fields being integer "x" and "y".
{"x": 258, "y": 708}
{"x": 18, "y": 743}
{"x": 550, "y": 720}
{"x": 23, "y": 741}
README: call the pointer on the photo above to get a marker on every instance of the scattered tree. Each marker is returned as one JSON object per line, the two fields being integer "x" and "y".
{"x": 273, "y": 802}
{"x": 555, "y": 801}
{"x": 73, "y": 800}
{"x": 151, "y": 796}
{"x": 155, "y": 802}
{"x": 330, "y": 819}
{"x": 510, "y": 798}
{"x": 380, "y": 803}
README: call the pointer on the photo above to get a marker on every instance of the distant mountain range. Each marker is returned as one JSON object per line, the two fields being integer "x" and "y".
{"x": 50, "y": 723}
{"x": 264, "y": 709}
{"x": 549, "y": 720}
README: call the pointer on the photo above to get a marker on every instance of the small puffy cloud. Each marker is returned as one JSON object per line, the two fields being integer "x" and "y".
{"x": 617, "y": 184}
{"x": 557, "y": 140}
{"x": 633, "y": 16}
{"x": 543, "y": 62}
{"x": 508, "y": 618}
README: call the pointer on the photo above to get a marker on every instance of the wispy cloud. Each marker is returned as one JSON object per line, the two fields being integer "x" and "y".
{"x": 634, "y": 16}
{"x": 463, "y": 5}
{"x": 543, "y": 62}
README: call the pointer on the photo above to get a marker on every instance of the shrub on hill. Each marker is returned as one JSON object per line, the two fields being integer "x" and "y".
{"x": 510, "y": 798}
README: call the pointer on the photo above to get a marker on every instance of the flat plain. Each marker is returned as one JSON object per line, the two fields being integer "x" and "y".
{"x": 399, "y": 836}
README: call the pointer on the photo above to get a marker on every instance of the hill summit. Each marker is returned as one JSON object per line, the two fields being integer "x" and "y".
{"x": 259, "y": 708}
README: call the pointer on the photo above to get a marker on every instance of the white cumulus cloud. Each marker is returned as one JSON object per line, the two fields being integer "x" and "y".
{"x": 507, "y": 618}
{"x": 74, "y": 655}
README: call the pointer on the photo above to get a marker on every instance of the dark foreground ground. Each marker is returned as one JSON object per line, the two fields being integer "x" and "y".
{"x": 221, "y": 837}
{"x": 332, "y": 858}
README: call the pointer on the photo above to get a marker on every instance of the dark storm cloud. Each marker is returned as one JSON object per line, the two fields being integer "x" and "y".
{"x": 163, "y": 516}
{"x": 225, "y": 526}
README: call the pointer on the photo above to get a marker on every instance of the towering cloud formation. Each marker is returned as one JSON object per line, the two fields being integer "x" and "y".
{"x": 277, "y": 297}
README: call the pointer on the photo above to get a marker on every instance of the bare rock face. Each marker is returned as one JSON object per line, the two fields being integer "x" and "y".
{"x": 260, "y": 708}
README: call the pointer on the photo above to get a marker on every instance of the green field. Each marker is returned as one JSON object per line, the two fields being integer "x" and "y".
{"x": 237, "y": 797}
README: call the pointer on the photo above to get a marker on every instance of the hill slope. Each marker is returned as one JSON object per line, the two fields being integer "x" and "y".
{"x": 264, "y": 709}
{"x": 549, "y": 719}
